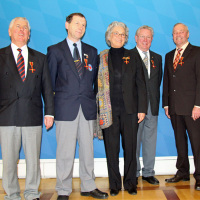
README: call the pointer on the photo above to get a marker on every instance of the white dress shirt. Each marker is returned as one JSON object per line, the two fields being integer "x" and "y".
{"x": 24, "y": 54}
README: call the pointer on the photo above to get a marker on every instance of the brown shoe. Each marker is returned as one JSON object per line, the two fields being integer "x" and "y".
{"x": 177, "y": 178}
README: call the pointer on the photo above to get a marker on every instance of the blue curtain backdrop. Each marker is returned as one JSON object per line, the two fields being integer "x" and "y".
{"x": 47, "y": 20}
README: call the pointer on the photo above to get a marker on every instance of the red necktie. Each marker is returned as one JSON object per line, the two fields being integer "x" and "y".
{"x": 20, "y": 65}
{"x": 177, "y": 59}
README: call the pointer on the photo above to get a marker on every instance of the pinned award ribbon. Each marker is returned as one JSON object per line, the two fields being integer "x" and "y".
{"x": 87, "y": 66}
{"x": 152, "y": 62}
{"x": 126, "y": 59}
{"x": 181, "y": 61}
{"x": 31, "y": 69}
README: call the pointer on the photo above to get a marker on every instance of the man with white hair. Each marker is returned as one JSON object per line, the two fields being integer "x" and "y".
{"x": 147, "y": 131}
{"x": 25, "y": 78}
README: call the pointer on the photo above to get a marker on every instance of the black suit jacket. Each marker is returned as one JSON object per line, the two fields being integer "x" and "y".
{"x": 152, "y": 83}
{"x": 181, "y": 89}
{"x": 70, "y": 90}
{"x": 21, "y": 102}
{"x": 133, "y": 83}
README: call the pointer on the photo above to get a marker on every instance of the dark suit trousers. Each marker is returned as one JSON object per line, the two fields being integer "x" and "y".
{"x": 181, "y": 124}
{"x": 126, "y": 126}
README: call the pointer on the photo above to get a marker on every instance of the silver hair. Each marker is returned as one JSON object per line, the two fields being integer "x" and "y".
{"x": 19, "y": 18}
{"x": 144, "y": 27}
{"x": 110, "y": 28}
{"x": 186, "y": 27}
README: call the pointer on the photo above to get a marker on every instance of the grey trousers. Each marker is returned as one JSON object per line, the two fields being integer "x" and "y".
{"x": 67, "y": 134}
{"x": 11, "y": 139}
{"x": 147, "y": 137}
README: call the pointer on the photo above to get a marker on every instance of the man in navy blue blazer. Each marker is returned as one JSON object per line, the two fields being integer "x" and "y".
{"x": 73, "y": 68}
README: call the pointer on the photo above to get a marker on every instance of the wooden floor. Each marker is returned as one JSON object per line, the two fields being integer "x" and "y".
{"x": 169, "y": 191}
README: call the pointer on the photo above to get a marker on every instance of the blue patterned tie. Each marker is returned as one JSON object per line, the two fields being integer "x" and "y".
{"x": 77, "y": 60}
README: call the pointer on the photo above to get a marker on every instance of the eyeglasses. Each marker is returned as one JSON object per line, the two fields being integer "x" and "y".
{"x": 145, "y": 37}
{"x": 119, "y": 34}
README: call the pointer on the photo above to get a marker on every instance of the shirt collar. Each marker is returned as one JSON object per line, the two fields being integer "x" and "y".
{"x": 141, "y": 52}
{"x": 183, "y": 47}
{"x": 15, "y": 47}
{"x": 70, "y": 42}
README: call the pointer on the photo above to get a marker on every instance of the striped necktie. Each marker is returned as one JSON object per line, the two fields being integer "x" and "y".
{"x": 177, "y": 59}
{"x": 77, "y": 60}
{"x": 20, "y": 65}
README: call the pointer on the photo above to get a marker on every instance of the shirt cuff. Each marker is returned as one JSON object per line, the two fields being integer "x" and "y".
{"x": 49, "y": 116}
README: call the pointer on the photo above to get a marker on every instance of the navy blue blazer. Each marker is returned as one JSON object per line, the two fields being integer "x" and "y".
{"x": 69, "y": 90}
{"x": 21, "y": 102}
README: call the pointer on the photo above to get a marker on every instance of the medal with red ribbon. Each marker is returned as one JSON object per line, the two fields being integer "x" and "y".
{"x": 181, "y": 61}
{"x": 31, "y": 69}
{"x": 126, "y": 59}
{"x": 152, "y": 62}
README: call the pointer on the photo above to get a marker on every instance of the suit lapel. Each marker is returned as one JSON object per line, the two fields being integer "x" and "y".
{"x": 85, "y": 58}
{"x": 153, "y": 64}
{"x": 187, "y": 51}
{"x": 171, "y": 59}
{"x": 68, "y": 56}
{"x": 143, "y": 65}
{"x": 12, "y": 65}
{"x": 184, "y": 56}
{"x": 32, "y": 65}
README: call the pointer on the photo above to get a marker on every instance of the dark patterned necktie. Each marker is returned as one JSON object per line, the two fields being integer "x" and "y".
{"x": 177, "y": 59}
{"x": 77, "y": 60}
{"x": 20, "y": 65}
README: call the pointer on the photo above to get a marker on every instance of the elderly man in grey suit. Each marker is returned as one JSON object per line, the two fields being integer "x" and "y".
{"x": 147, "y": 132}
{"x": 25, "y": 78}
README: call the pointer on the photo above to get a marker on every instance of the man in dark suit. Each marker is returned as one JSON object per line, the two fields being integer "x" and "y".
{"x": 73, "y": 68}
{"x": 147, "y": 131}
{"x": 181, "y": 101}
{"x": 24, "y": 78}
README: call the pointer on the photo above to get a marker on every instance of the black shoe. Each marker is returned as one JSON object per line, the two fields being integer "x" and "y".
{"x": 63, "y": 197}
{"x": 97, "y": 194}
{"x": 36, "y": 199}
{"x": 197, "y": 185}
{"x": 151, "y": 179}
{"x": 132, "y": 191}
{"x": 114, "y": 192}
{"x": 177, "y": 178}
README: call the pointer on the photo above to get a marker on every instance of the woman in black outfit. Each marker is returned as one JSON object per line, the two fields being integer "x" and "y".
{"x": 122, "y": 105}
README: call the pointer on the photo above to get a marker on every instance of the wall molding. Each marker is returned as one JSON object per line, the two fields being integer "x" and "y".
{"x": 163, "y": 166}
